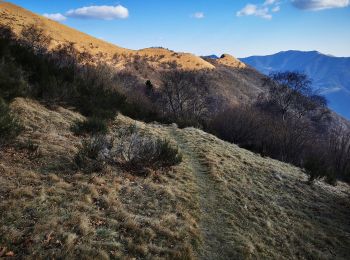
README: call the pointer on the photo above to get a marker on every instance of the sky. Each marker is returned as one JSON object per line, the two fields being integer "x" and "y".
{"x": 204, "y": 27}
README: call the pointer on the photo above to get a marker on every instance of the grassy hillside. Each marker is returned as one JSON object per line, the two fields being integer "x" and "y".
{"x": 17, "y": 18}
{"x": 220, "y": 202}
{"x": 233, "y": 81}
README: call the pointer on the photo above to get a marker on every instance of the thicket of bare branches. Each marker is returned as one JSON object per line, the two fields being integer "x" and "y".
{"x": 185, "y": 95}
{"x": 290, "y": 123}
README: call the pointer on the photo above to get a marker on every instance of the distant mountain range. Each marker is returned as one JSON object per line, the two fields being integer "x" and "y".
{"x": 331, "y": 75}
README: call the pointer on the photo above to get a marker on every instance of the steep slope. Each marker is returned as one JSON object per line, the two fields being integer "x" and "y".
{"x": 220, "y": 202}
{"x": 17, "y": 18}
{"x": 236, "y": 82}
{"x": 232, "y": 81}
{"x": 329, "y": 74}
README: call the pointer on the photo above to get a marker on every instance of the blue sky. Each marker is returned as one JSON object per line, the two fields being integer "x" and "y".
{"x": 238, "y": 27}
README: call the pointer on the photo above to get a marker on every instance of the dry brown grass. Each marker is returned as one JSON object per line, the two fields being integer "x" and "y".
{"x": 221, "y": 202}
{"x": 229, "y": 60}
{"x": 265, "y": 207}
{"x": 18, "y": 17}
{"x": 232, "y": 81}
{"x": 48, "y": 210}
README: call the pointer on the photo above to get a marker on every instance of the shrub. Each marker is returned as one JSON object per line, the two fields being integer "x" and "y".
{"x": 92, "y": 125}
{"x": 12, "y": 80}
{"x": 331, "y": 178}
{"x": 167, "y": 155}
{"x": 138, "y": 150}
{"x": 28, "y": 145}
{"x": 315, "y": 169}
{"x": 93, "y": 154}
{"x": 149, "y": 88}
{"x": 9, "y": 125}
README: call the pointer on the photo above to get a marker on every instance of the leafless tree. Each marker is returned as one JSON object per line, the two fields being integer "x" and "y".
{"x": 291, "y": 93}
{"x": 185, "y": 93}
{"x": 339, "y": 150}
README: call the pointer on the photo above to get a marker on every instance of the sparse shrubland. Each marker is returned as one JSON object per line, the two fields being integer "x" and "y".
{"x": 58, "y": 76}
{"x": 290, "y": 122}
{"x": 285, "y": 122}
{"x": 99, "y": 209}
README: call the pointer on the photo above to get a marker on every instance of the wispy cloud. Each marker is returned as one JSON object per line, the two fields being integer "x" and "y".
{"x": 276, "y": 9}
{"x": 262, "y": 10}
{"x": 198, "y": 15}
{"x": 56, "y": 17}
{"x": 270, "y": 2}
{"x": 316, "y": 5}
{"x": 103, "y": 12}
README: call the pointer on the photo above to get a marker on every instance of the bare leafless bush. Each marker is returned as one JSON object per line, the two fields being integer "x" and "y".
{"x": 138, "y": 150}
{"x": 34, "y": 37}
{"x": 131, "y": 149}
{"x": 338, "y": 152}
{"x": 292, "y": 94}
{"x": 185, "y": 95}
{"x": 289, "y": 123}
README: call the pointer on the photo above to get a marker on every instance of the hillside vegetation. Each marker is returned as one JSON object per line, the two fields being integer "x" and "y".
{"x": 234, "y": 82}
{"x": 329, "y": 74}
{"x": 96, "y": 162}
{"x": 17, "y": 18}
{"x": 220, "y": 202}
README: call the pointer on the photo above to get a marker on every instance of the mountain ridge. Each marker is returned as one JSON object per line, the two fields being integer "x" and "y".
{"x": 233, "y": 82}
{"x": 17, "y": 17}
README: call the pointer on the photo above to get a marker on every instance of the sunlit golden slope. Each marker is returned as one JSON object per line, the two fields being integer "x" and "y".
{"x": 17, "y": 17}
{"x": 229, "y": 60}
{"x": 232, "y": 81}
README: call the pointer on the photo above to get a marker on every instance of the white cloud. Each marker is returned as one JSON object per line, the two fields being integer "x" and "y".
{"x": 254, "y": 10}
{"x": 56, "y": 17}
{"x": 315, "y": 5}
{"x": 270, "y": 2}
{"x": 198, "y": 15}
{"x": 276, "y": 9}
{"x": 103, "y": 12}
{"x": 330, "y": 90}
